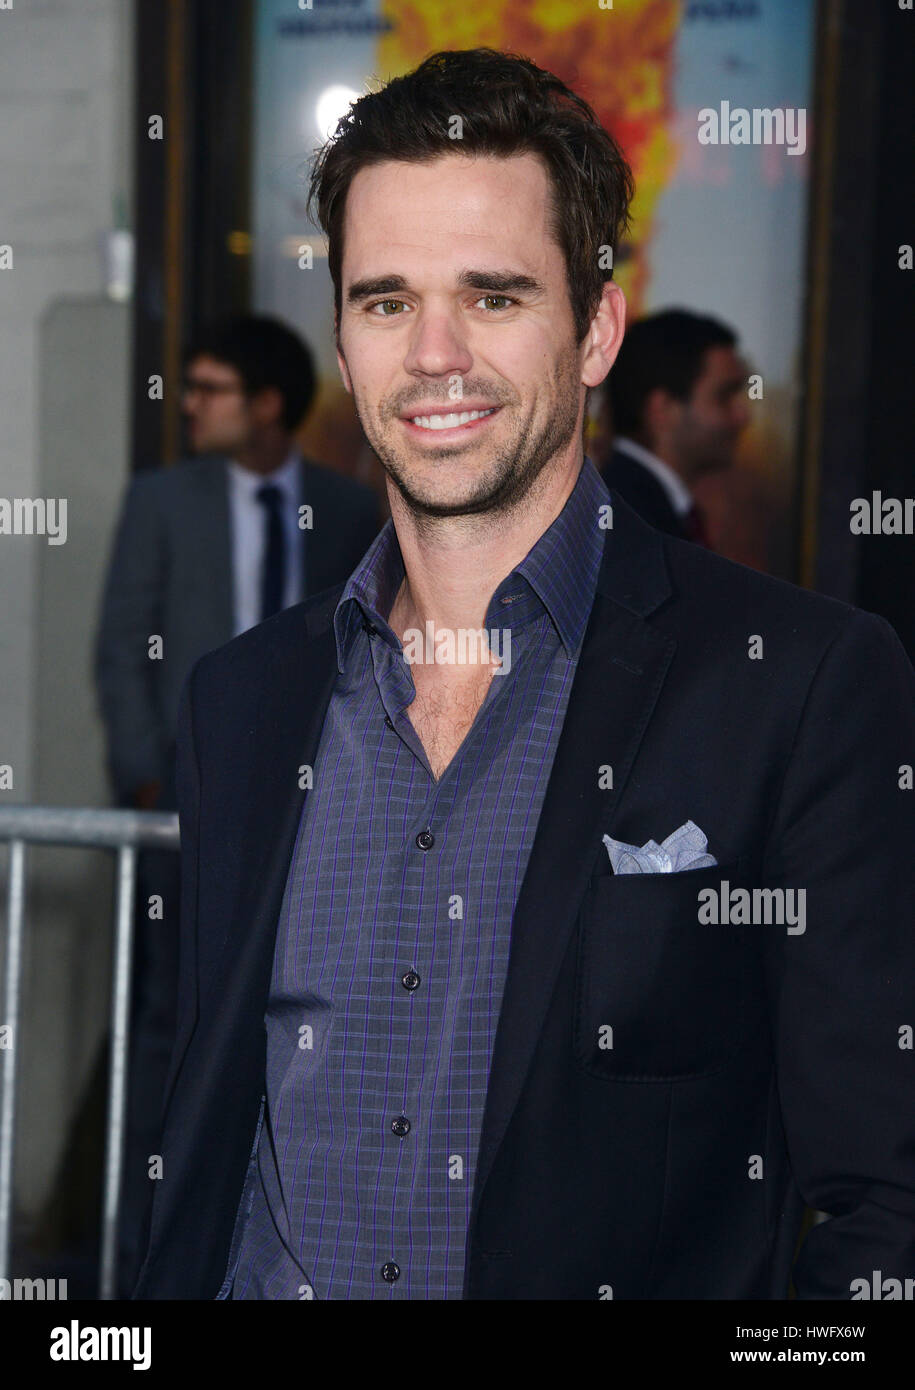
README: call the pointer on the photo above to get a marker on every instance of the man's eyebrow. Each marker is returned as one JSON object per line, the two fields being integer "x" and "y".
{"x": 500, "y": 281}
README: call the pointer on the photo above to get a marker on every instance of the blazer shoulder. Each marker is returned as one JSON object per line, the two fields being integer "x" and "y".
{"x": 337, "y": 486}
{"x": 269, "y": 643}
{"x": 181, "y": 477}
{"x": 732, "y": 593}
{"x": 192, "y": 472}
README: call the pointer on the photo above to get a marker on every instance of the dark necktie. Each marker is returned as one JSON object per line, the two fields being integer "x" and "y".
{"x": 694, "y": 521}
{"x": 273, "y": 575}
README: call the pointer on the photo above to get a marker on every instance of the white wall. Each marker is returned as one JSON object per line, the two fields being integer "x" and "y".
{"x": 66, "y": 80}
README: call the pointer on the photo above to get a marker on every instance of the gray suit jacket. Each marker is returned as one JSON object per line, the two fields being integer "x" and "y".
{"x": 171, "y": 574}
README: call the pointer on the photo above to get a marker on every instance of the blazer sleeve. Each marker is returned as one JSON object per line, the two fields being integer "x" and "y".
{"x": 842, "y": 992}
{"x": 131, "y": 611}
{"x": 188, "y": 789}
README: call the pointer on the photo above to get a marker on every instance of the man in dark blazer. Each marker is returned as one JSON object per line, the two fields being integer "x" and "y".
{"x": 577, "y": 973}
{"x": 676, "y": 405}
{"x": 199, "y": 557}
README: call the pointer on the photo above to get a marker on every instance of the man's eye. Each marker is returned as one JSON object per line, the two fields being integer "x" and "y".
{"x": 491, "y": 298}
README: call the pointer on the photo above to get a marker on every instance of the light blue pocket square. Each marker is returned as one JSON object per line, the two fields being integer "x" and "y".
{"x": 684, "y": 849}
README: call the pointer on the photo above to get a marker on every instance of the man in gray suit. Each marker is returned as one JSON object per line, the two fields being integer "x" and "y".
{"x": 203, "y": 551}
{"x": 209, "y": 547}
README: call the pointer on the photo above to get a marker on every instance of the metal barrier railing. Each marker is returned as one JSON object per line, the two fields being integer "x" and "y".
{"x": 127, "y": 832}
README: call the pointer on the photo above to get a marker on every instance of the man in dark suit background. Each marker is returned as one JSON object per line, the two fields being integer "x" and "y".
{"x": 451, "y": 1021}
{"x": 676, "y": 405}
{"x": 203, "y": 551}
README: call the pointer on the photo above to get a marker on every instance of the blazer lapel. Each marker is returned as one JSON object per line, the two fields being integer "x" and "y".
{"x": 289, "y": 718}
{"x": 621, "y": 670}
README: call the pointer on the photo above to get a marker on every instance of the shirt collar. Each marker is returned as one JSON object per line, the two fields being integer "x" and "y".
{"x": 679, "y": 495}
{"x": 558, "y": 574}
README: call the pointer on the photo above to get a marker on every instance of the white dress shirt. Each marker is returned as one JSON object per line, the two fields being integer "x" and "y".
{"x": 678, "y": 494}
{"x": 248, "y": 521}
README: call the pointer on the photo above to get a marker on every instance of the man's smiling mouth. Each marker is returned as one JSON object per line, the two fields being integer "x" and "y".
{"x": 451, "y": 423}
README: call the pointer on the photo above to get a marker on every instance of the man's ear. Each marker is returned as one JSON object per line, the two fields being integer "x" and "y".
{"x": 605, "y": 335}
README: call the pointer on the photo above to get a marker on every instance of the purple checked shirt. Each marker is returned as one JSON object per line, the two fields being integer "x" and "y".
{"x": 393, "y": 938}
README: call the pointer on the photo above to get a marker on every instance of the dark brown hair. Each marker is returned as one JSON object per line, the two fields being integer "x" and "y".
{"x": 508, "y": 106}
{"x": 264, "y": 352}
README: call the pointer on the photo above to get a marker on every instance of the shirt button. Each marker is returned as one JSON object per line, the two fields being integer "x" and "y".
{"x": 390, "y": 1272}
{"x": 410, "y": 980}
{"x": 400, "y": 1126}
{"x": 425, "y": 839}
{"x": 389, "y": 721}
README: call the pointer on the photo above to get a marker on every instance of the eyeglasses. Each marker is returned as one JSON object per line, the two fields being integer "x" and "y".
{"x": 208, "y": 388}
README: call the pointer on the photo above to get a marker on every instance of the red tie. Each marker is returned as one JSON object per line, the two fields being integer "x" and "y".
{"x": 694, "y": 521}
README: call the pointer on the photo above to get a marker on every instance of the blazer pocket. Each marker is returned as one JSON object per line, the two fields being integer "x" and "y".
{"x": 659, "y": 995}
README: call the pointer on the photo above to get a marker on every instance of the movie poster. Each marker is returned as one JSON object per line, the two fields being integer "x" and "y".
{"x": 718, "y": 222}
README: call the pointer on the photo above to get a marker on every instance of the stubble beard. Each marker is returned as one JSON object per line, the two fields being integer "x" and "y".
{"x": 509, "y": 474}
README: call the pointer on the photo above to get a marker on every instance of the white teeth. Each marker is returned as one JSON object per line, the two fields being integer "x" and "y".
{"x": 450, "y": 422}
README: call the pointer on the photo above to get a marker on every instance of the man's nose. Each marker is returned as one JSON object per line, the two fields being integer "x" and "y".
{"x": 438, "y": 345}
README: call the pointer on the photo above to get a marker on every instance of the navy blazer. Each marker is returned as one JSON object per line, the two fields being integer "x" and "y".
{"x": 752, "y": 1070}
